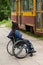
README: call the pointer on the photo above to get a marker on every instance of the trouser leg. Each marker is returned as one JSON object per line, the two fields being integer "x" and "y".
{"x": 29, "y": 44}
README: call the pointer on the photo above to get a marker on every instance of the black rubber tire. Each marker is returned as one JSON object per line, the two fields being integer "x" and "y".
{"x": 11, "y": 53}
{"x": 20, "y": 43}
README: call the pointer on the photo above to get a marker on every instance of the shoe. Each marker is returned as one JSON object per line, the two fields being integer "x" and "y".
{"x": 32, "y": 51}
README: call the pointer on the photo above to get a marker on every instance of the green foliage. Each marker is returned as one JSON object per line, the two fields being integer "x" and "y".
{"x": 3, "y": 22}
{"x": 7, "y": 23}
{"x": 4, "y": 9}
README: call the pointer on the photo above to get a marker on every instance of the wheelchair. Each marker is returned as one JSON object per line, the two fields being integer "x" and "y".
{"x": 19, "y": 47}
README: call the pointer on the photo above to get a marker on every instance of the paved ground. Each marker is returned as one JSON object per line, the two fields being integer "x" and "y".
{"x": 6, "y": 59}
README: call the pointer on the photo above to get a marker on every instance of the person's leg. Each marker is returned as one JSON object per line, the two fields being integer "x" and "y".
{"x": 10, "y": 34}
{"x": 30, "y": 46}
{"x": 17, "y": 39}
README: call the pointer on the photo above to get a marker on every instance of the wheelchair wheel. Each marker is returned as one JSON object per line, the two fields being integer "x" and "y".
{"x": 20, "y": 49}
{"x": 9, "y": 47}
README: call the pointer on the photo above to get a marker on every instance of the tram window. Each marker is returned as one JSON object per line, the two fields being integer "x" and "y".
{"x": 27, "y": 5}
{"x": 42, "y": 20}
{"x": 42, "y": 4}
{"x": 38, "y": 20}
{"x": 38, "y": 4}
{"x": 30, "y": 5}
{"x": 13, "y": 5}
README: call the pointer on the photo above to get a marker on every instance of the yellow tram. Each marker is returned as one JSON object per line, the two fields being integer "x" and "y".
{"x": 28, "y": 14}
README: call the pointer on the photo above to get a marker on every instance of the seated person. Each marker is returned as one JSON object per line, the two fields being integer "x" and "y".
{"x": 17, "y": 34}
{"x": 15, "y": 31}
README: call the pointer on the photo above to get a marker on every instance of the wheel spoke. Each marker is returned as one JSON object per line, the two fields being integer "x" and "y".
{"x": 20, "y": 51}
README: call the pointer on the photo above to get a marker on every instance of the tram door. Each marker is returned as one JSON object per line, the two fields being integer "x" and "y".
{"x": 18, "y": 12}
{"x": 39, "y": 11}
